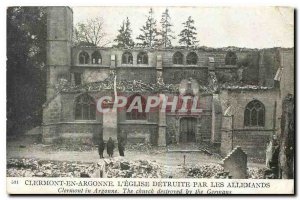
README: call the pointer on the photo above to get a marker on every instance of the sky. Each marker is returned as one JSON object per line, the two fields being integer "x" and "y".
{"x": 251, "y": 27}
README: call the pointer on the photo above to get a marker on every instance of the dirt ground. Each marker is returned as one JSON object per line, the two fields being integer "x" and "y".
{"x": 19, "y": 149}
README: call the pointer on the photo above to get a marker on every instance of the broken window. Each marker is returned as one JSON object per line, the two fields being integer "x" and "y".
{"x": 178, "y": 58}
{"x": 192, "y": 58}
{"x": 127, "y": 58}
{"x": 85, "y": 108}
{"x": 142, "y": 58}
{"x": 230, "y": 58}
{"x": 96, "y": 58}
{"x": 135, "y": 113}
{"x": 254, "y": 114}
{"x": 84, "y": 58}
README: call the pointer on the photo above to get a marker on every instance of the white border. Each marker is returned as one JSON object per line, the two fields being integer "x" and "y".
{"x": 6, "y": 3}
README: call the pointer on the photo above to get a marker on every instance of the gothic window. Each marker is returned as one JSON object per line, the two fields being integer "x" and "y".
{"x": 230, "y": 58}
{"x": 84, "y": 58}
{"x": 127, "y": 58}
{"x": 96, "y": 58}
{"x": 191, "y": 58}
{"x": 85, "y": 108}
{"x": 178, "y": 58}
{"x": 142, "y": 58}
{"x": 254, "y": 114}
{"x": 135, "y": 114}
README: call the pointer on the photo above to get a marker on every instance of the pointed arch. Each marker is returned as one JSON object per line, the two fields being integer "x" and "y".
{"x": 191, "y": 58}
{"x": 178, "y": 58}
{"x": 135, "y": 114}
{"x": 127, "y": 58}
{"x": 85, "y": 108}
{"x": 254, "y": 114}
{"x": 96, "y": 58}
{"x": 230, "y": 58}
{"x": 142, "y": 58}
{"x": 84, "y": 58}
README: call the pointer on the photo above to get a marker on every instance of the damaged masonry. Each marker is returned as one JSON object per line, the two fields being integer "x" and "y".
{"x": 172, "y": 112}
{"x": 237, "y": 97}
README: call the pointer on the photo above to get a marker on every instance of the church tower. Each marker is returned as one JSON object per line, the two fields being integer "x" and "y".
{"x": 59, "y": 41}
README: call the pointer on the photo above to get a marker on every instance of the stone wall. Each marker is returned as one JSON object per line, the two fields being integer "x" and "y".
{"x": 59, "y": 44}
{"x": 59, "y": 121}
{"x": 239, "y": 98}
{"x": 253, "y": 142}
{"x": 147, "y": 75}
{"x": 76, "y": 133}
{"x": 138, "y": 131}
{"x": 175, "y": 75}
{"x": 259, "y": 65}
{"x": 172, "y": 73}
{"x": 252, "y": 139}
{"x": 268, "y": 65}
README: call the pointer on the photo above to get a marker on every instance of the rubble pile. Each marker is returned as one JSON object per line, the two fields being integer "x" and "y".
{"x": 205, "y": 171}
{"x": 116, "y": 168}
{"x": 256, "y": 173}
{"x": 241, "y": 86}
{"x": 38, "y": 168}
{"x": 123, "y": 86}
{"x": 216, "y": 171}
{"x": 222, "y": 175}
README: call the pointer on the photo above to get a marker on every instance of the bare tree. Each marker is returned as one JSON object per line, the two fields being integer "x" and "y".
{"x": 91, "y": 33}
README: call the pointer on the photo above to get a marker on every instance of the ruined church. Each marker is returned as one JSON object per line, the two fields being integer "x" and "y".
{"x": 240, "y": 92}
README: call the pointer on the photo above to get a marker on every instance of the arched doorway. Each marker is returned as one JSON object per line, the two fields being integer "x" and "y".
{"x": 188, "y": 129}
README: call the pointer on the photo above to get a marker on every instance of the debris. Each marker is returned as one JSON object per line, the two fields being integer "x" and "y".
{"x": 115, "y": 167}
{"x": 124, "y": 165}
{"x": 256, "y": 173}
{"x": 204, "y": 171}
{"x": 118, "y": 167}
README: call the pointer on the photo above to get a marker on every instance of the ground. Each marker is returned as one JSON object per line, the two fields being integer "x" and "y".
{"x": 173, "y": 161}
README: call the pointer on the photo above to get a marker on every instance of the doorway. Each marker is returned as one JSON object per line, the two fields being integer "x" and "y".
{"x": 188, "y": 129}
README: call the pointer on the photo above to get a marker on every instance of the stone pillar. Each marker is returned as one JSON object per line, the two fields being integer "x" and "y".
{"x": 216, "y": 119}
{"x": 211, "y": 63}
{"x": 110, "y": 124}
{"x": 112, "y": 61}
{"x": 161, "y": 115}
{"x": 161, "y": 126}
{"x": 226, "y": 135}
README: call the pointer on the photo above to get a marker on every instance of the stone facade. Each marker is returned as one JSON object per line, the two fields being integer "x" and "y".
{"x": 221, "y": 86}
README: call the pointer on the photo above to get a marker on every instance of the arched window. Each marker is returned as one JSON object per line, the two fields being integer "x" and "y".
{"x": 142, "y": 58}
{"x": 192, "y": 58}
{"x": 230, "y": 58}
{"x": 178, "y": 58}
{"x": 254, "y": 114}
{"x": 136, "y": 114}
{"x": 85, "y": 108}
{"x": 96, "y": 58}
{"x": 127, "y": 58}
{"x": 84, "y": 58}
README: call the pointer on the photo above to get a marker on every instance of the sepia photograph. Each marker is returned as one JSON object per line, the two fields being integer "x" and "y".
{"x": 150, "y": 100}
